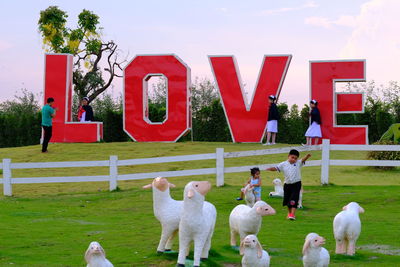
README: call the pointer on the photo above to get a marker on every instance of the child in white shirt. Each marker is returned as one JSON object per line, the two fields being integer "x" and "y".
{"x": 291, "y": 189}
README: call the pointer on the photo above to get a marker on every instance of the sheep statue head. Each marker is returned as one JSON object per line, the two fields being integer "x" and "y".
{"x": 354, "y": 206}
{"x": 160, "y": 184}
{"x": 252, "y": 242}
{"x": 263, "y": 209}
{"x": 277, "y": 182}
{"x": 197, "y": 188}
{"x": 94, "y": 250}
{"x": 313, "y": 240}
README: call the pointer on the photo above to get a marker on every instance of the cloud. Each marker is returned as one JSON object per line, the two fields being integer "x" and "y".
{"x": 309, "y": 4}
{"x": 318, "y": 21}
{"x": 375, "y": 37}
{"x": 222, "y": 9}
{"x": 4, "y": 45}
{"x": 344, "y": 20}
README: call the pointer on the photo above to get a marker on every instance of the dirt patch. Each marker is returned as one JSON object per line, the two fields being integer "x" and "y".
{"x": 231, "y": 264}
{"x": 382, "y": 249}
{"x": 94, "y": 233}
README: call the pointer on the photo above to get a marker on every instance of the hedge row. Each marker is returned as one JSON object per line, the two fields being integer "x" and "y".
{"x": 208, "y": 124}
{"x": 20, "y": 130}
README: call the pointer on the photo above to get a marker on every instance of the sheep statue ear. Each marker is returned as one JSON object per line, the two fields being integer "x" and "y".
{"x": 87, "y": 255}
{"x": 172, "y": 185}
{"x": 361, "y": 210}
{"x": 242, "y": 189}
{"x": 241, "y": 248}
{"x": 344, "y": 208}
{"x": 190, "y": 193}
{"x": 148, "y": 186}
{"x": 306, "y": 245}
{"x": 102, "y": 251}
{"x": 259, "y": 250}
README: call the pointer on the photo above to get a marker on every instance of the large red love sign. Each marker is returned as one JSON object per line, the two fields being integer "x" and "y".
{"x": 247, "y": 120}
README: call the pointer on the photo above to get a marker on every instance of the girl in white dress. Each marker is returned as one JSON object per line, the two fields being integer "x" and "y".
{"x": 272, "y": 124}
{"x": 314, "y": 130}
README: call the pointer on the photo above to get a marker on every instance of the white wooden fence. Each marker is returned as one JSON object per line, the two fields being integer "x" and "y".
{"x": 219, "y": 170}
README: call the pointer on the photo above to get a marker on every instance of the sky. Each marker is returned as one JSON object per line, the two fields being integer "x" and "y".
{"x": 309, "y": 30}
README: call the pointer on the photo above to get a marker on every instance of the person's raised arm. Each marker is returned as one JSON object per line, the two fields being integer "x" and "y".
{"x": 305, "y": 158}
{"x": 271, "y": 169}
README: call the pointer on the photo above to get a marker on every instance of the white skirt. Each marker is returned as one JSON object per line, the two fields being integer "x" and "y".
{"x": 272, "y": 126}
{"x": 314, "y": 130}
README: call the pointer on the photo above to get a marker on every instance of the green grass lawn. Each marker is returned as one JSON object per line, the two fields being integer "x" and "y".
{"x": 52, "y": 224}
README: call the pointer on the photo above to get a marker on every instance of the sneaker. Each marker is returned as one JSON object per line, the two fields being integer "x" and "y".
{"x": 292, "y": 217}
{"x": 305, "y": 145}
{"x": 273, "y": 144}
{"x": 266, "y": 144}
{"x": 239, "y": 198}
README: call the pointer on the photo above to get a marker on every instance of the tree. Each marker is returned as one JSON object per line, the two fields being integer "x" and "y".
{"x": 204, "y": 93}
{"x": 85, "y": 44}
{"x": 391, "y": 95}
{"x": 26, "y": 103}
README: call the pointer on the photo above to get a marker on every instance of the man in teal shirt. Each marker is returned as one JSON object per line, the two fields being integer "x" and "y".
{"x": 48, "y": 112}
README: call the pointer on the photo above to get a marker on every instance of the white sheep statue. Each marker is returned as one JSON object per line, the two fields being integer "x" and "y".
{"x": 244, "y": 220}
{"x": 279, "y": 192}
{"x": 277, "y": 187}
{"x": 95, "y": 256}
{"x": 314, "y": 255}
{"x": 166, "y": 210}
{"x": 347, "y": 228}
{"x": 249, "y": 196}
{"x": 253, "y": 254}
{"x": 197, "y": 222}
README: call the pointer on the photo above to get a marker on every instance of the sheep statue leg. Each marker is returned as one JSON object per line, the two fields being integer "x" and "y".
{"x": 183, "y": 249}
{"x": 166, "y": 234}
{"x": 340, "y": 246}
{"x": 300, "y": 202}
{"x": 242, "y": 236}
{"x": 207, "y": 245}
{"x": 170, "y": 241}
{"x": 187, "y": 250}
{"x": 198, "y": 249}
{"x": 163, "y": 241}
{"x": 233, "y": 238}
{"x": 351, "y": 247}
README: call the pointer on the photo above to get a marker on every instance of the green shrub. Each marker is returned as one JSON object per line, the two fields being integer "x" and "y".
{"x": 19, "y": 129}
{"x": 209, "y": 124}
{"x": 112, "y": 126}
{"x": 292, "y": 124}
{"x": 384, "y": 155}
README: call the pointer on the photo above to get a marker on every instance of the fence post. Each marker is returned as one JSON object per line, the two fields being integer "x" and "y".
{"x": 113, "y": 172}
{"x": 325, "y": 162}
{"x": 7, "y": 187}
{"x": 220, "y": 166}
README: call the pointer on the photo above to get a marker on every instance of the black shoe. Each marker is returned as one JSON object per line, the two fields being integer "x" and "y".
{"x": 239, "y": 198}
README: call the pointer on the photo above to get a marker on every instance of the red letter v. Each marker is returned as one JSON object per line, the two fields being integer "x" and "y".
{"x": 247, "y": 122}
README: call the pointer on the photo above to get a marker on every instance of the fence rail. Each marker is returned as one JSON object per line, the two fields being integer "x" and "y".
{"x": 219, "y": 170}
